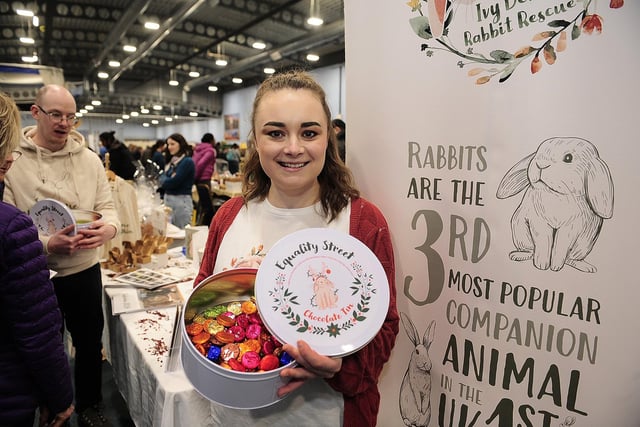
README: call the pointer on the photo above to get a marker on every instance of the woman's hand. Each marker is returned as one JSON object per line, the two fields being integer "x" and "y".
{"x": 59, "y": 419}
{"x": 312, "y": 365}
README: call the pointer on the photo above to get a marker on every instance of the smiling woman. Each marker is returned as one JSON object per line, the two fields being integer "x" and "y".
{"x": 294, "y": 179}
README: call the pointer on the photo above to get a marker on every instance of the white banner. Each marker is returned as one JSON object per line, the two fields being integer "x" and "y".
{"x": 499, "y": 138}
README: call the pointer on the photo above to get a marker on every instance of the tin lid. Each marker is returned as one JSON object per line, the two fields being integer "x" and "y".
{"x": 325, "y": 287}
{"x": 51, "y": 216}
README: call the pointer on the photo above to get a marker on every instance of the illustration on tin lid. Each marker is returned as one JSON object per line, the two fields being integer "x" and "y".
{"x": 50, "y": 216}
{"x": 324, "y": 287}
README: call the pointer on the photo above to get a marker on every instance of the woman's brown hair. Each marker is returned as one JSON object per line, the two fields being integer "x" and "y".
{"x": 336, "y": 181}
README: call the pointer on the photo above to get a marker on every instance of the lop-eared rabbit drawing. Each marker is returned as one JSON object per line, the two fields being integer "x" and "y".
{"x": 415, "y": 391}
{"x": 568, "y": 194}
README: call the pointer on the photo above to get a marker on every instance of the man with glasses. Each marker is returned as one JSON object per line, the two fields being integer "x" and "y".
{"x": 56, "y": 164}
{"x": 4, "y": 167}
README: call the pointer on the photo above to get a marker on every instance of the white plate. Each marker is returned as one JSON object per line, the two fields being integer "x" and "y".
{"x": 50, "y": 216}
{"x": 324, "y": 287}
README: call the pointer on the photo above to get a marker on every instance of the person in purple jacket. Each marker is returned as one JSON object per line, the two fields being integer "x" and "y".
{"x": 34, "y": 369}
{"x": 204, "y": 157}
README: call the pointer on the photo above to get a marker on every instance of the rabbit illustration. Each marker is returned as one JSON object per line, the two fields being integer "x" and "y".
{"x": 568, "y": 193}
{"x": 415, "y": 391}
{"x": 324, "y": 291}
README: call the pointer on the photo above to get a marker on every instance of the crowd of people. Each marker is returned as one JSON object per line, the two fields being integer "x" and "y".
{"x": 294, "y": 177}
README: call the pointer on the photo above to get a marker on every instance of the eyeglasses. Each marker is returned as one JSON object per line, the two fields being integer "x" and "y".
{"x": 15, "y": 155}
{"x": 57, "y": 117}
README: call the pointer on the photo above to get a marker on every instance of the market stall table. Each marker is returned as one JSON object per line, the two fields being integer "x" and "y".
{"x": 151, "y": 379}
{"x": 138, "y": 348}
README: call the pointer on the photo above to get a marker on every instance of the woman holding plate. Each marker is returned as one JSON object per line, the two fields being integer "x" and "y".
{"x": 294, "y": 179}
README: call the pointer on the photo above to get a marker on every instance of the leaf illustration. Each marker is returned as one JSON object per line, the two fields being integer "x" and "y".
{"x": 506, "y": 74}
{"x": 420, "y": 26}
{"x": 543, "y": 35}
{"x": 559, "y": 23}
{"x": 474, "y": 71}
{"x": 575, "y": 32}
{"x": 536, "y": 65}
{"x": 501, "y": 55}
{"x": 304, "y": 327}
{"x": 562, "y": 42}
{"x": 523, "y": 51}
{"x": 483, "y": 80}
{"x": 549, "y": 54}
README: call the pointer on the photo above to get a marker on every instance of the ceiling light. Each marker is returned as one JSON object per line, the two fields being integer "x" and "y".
{"x": 194, "y": 74}
{"x": 125, "y": 116}
{"x": 259, "y": 45}
{"x": 145, "y": 124}
{"x": 269, "y": 70}
{"x": 314, "y": 14}
{"x": 24, "y": 12}
{"x": 35, "y": 21}
{"x": 144, "y": 110}
{"x": 134, "y": 114}
{"x": 114, "y": 64}
{"x": 149, "y": 25}
{"x": 154, "y": 122}
{"x": 79, "y": 114}
{"x": 157, "y": 107}
{"x": 82, "y": 111}
{"x": 221, "y": 62}
{"x": 27, "y": 40}
{"x": 88, "y": 107}
{"x": 103, "y": 75}
{"x": 96, "y": 102}
{"x": 236, "y": 80}
{"x": 119, "y": 121}
{"x": 213, "y": 88}
{"x": 173, "y": 79}
{"x": 313, "y": 57}
{"x": 129, "y": 48}
{"x": 30, "y": 59}
{"x": 168, "y": 119}
{"x": 315, "y": 21}
{"x": 193, "y": 114}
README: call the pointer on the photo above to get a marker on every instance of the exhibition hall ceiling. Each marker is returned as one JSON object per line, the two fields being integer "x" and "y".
{"x": 105, "y": 50}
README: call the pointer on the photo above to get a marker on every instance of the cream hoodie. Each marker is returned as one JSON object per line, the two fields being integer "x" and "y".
{"x": 74, "y": 176}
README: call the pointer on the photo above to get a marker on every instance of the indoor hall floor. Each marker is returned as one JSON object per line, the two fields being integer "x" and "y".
{"x": 115, "y": 407}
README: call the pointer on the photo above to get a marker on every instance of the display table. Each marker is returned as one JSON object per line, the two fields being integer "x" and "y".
{"x": 139, "y": 349}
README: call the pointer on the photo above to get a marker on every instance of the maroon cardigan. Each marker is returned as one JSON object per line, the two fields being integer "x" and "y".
{"x": 358, "y": 378}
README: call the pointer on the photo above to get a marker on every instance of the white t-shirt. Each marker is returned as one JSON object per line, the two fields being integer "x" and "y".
{"x": 256, "y": 228}
{"x": 259, "y": 225}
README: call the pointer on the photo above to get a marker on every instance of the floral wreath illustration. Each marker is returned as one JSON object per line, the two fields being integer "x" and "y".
{"x": 284, "y": 301}
{"x": 500, "y": 62}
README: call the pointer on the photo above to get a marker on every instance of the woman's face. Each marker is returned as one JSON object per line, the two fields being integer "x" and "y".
{"x": 291, "y": 140}
{"x": 5, "y": 165}
{"x": 173, "y": 146}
